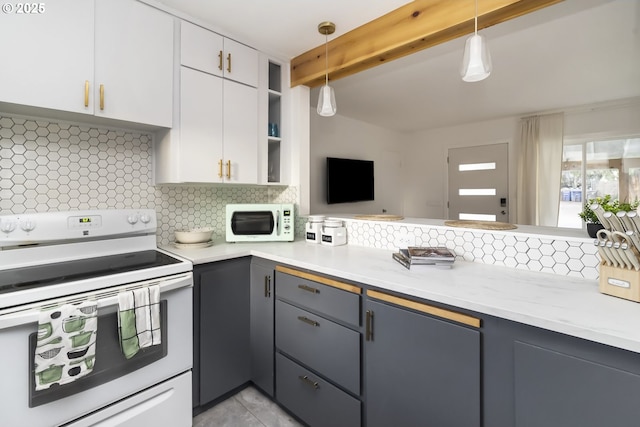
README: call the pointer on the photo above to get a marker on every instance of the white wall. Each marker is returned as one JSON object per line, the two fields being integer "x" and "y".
{"x": 425, "y": 152}
{"x": 339, "y": 136}
{"x": 415, "y": 184}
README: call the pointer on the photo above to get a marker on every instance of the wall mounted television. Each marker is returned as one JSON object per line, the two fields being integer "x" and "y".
{"x": 349, "y": 180}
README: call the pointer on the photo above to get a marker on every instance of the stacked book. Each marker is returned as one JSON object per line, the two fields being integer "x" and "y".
{"x": 417, "y": 255}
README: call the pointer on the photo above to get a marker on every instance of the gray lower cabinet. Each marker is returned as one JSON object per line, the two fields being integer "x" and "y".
{"x": 224, "y": 348}
{"x": 538, "y": 378}
{"x": 318, "y": 348}
{"x": 419, "y": 370}
{"x": 262, "y": 296}
{"x": 556, "y": 389}
{"x": 312, "y": 399}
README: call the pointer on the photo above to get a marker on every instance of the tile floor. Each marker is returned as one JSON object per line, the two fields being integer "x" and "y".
{"x": 248, "y": 408}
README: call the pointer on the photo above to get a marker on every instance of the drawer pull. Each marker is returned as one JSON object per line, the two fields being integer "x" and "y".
{"x": 267, "y": 286}
{"x": 309, "y": 289}
{"x": 308, "y": 321}
{"x": 369, "y": 326}
{"x": 305, "y": 379}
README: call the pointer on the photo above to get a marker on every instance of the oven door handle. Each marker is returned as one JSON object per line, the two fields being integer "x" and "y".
{"x": 30, "y": 313}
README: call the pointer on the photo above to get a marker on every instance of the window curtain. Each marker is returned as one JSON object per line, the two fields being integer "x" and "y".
{"x": 539, "y": 169}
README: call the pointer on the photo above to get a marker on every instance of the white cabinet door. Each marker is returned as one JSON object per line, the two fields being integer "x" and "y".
{"x": 201, "y": 49}
{"x": 241, "y": 132}
{"x": 48, "y": 57}
{"x": 240, "y": 63}
{"x": 134, "y": 62}
{"x": 200, "y": 126}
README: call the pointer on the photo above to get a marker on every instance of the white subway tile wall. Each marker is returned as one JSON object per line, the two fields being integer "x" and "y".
{"x": 56, "y": 166}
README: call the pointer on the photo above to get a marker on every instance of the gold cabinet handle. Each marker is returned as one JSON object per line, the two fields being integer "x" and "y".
{"x": 305, "y": 379}
{"x": 101, "y": 97}
{"x": 229, "y": 63}
{"x": 86, "y": 93}
{"x": 228, "y": 169}
{"x": 369, "y": 326}
{"x": 220, "y": 168}
{"x": 309, "y": 289}
{"x": 220, "y": 61}
{"x": 308, "y": 321}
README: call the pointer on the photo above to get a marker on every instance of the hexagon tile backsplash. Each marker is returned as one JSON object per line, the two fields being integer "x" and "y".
{"x": 56, "y": 166}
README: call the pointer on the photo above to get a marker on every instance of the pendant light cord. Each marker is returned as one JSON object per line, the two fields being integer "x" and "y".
{"x": 326, "y": 59}
{"x": 476, "y": 17}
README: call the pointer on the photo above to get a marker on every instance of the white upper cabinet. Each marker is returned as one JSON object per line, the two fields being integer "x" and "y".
{"x": 212, "y": 53}
{"x": 215, "y": 139}
{"x": 201, "y": 49}
{"x": 199, "y": 132}
{"x": 240, "y": 63}
{"x": 48, "y": 57}
{"x": 134, "y": 63}
{"x": 240, "y": 124}
{"x": 59, "y": 59}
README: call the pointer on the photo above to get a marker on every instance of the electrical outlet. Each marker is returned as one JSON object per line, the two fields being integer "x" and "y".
{"x": 404, "y": 240}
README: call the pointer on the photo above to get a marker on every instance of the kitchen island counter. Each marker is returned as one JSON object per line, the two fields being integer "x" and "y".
{"x": 571, "y": 306}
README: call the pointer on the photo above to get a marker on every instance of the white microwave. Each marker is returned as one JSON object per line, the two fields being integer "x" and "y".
{"x": 250, "y": 222}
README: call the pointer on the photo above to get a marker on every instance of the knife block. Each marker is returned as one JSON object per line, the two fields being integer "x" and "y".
{"x": 620, "y": 282}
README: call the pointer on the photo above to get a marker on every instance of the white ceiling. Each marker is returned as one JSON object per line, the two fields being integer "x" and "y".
{"x": 573, "y": 53}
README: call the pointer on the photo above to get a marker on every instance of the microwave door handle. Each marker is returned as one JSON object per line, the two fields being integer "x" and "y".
{"x": 278, "y": 222}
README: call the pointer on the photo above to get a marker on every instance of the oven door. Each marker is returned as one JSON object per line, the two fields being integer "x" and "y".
{"x": 153, "y": 372}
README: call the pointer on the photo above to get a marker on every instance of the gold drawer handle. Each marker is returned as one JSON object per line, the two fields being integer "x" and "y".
{"x": 308, "y": 321}
{"x": 220, "y": 63}
{"x": 228, "y": 169}
{"x": 305, "y": 379}
{"x": 309, "y": 289}
{"x": 86, "y": 93}
{"x": 229, "y": 63}
{"x": 220, "y": 169}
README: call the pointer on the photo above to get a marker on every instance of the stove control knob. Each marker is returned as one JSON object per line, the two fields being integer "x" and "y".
{"x": 28, "y": 225}
{"x": 145, "y": 218}
{"x": 132, "y": 219}
{"x": 7, "y": 226}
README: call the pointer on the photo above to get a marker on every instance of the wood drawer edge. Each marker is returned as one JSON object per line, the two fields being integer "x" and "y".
{"x": 325, "y": 281}
{"x": 426, "y": 308}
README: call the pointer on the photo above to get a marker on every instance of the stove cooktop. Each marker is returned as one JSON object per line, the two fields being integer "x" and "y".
{"x": 23, "y": 278}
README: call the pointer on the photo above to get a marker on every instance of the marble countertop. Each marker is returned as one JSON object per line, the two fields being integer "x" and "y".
{"x": 572, "y": 306}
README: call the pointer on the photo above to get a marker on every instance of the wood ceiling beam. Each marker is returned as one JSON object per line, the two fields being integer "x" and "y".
{"x": 413, "y": 27}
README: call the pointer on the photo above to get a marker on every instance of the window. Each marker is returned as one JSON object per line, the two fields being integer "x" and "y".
{"x": 596, "y": 168}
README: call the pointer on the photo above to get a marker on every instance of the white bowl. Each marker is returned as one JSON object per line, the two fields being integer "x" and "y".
{"x": 196, "y": 235}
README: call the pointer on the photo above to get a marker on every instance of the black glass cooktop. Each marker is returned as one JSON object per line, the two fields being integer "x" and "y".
{"x": 61, "y": 272}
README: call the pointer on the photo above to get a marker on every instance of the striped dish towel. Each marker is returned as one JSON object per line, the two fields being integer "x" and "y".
{"x": 139, "y": 319}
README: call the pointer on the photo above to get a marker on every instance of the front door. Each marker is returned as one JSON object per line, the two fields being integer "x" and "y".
{"x": 479, "y": 183}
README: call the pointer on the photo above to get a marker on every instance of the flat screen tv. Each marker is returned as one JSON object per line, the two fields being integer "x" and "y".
{"x": 349, "y": 180}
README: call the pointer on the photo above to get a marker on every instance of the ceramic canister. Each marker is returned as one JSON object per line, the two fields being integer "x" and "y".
{"x": 334, "y": 233}
{"x": 314, "y": 228}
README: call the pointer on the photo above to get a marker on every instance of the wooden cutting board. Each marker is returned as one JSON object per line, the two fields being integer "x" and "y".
{"x": 481, "y": 225}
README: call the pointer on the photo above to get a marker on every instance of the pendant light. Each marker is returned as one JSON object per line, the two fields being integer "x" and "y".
{"x": 327, "y": 98}
{"x": 476, "y": 62}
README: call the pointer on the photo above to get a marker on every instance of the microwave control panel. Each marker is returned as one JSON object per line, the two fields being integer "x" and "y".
{"x": 287, "y": 224}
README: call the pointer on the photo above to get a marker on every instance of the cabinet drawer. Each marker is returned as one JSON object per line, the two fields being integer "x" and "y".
{"x": 328, "y": 348}
{"x": 315, "y": 401}
{"x": 329, "y": 300}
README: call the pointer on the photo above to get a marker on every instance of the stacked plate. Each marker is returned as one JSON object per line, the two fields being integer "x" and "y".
{"x": 194, "y": 238}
